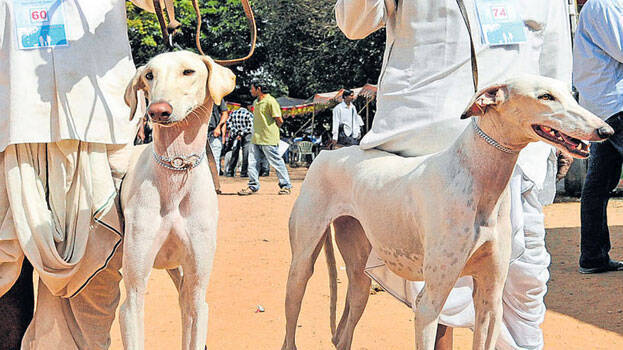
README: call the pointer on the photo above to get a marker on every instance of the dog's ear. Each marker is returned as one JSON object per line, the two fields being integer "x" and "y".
{"x": 221, "y": 80}
{"x": 131, "y": 90}
{"x": 483, "y": 99}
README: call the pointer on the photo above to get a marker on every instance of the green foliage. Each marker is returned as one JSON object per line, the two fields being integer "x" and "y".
{"x": 300, "y": 48}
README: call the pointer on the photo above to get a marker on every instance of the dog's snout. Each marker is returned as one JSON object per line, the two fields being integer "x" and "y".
{"x": 605, "y": 131}
{"x": 160, "y": 111}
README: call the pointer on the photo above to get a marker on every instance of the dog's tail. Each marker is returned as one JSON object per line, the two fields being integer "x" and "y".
{"x": 330, "y": 255}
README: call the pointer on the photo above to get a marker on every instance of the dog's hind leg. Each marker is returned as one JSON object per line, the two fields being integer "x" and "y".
{"x": 355, "y": 249}
{"x": 176, "y": 276}
{"x": 307, "y": 231}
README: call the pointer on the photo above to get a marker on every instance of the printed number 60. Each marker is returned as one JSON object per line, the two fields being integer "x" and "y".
{"x": 39, "y": 15}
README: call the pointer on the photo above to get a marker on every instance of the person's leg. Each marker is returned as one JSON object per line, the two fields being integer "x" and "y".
{"x": 16, "y": 287}
{"x": 233, "y": 160}
{"x": 17, "y": 307}
{"x": 82, "y": 322}
{"x": 604, "y": 170}
{"x": 526, "y": 283}
{"x": 254, "y": 154}
{"x": 444, "y": 340}
{"x": 264, "y": 166}
{"x": 246, "y": 143}
{"x": 272, "y": 154}
{"x": 217, "y": 146}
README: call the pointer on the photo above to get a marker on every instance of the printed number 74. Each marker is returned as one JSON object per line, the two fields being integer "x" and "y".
{"x": 499, "y": 12}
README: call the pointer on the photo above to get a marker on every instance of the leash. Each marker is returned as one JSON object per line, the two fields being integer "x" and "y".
{"x": 471, "y": 44}
{"x": 169, "y": 31}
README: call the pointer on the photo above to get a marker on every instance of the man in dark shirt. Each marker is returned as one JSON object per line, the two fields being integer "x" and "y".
{"x": 217, "y": 130}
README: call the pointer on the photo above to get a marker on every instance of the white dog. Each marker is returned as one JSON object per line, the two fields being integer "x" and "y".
{"x": 432, "y": 218}
{"x": 168, "y": 197}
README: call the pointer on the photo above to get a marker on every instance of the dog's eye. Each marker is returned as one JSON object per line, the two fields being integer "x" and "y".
{"x": 547, "y": 97}
{"x": 149, "y": 76}
{"x": 188, "y": 71}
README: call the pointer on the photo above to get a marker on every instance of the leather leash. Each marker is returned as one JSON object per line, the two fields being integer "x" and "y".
{"x": 168, "y": 31}
{"x": 471, "y": 44}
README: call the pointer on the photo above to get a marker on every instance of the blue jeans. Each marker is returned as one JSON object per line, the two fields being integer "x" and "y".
{"x": 256, "y": 152}
{"x": 216, "y": 146}
{"x": 604, "y": 171}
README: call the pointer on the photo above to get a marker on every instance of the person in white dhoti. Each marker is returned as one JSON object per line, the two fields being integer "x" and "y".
{"x": 425, "y": 84}
{"x": 64, "y": 66}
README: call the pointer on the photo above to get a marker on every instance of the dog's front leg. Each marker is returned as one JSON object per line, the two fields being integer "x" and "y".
{"x": 488, "y": 290}
{"x": 138, "y": 259}
{"x": 193, "y": 294}
{"x": 440, "y": 276}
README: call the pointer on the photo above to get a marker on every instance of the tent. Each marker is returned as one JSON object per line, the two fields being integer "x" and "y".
{"x": 293, "y": 107}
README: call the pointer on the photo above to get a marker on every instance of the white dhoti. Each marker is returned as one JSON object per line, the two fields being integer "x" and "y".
{"x": 58, "y": 209}
{"x": 526, "y": 284}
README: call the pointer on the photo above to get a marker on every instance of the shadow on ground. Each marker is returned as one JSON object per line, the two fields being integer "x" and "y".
{"x": 572, "y": 293}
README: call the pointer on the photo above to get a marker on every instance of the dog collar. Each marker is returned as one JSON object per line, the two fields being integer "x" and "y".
{"x": 179, "y": 162}
{"x": 488, "y": 139}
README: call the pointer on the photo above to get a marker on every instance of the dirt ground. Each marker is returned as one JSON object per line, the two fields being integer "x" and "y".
{"x": 251, "y": 265}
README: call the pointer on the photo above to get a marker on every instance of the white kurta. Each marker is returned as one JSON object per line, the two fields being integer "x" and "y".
{"x": 347, "y": 116}
{"x": 73, "y": 92}
{"x": 426, "y": 78}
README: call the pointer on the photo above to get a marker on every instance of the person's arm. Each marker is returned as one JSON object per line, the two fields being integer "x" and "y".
{"x": 604, "y": 26}
{"x": 359, "y": 18}
{"x": 336, "y": 124}
{"x": 218, "y": 131}
{"x": 556, "y": 60}
{"x": 276, "y": 113}
{"x": 360, "y": 124}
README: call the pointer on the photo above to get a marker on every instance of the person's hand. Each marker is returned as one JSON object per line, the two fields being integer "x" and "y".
{"x": 238, "y": 137}
{"x": 216, "y": 132}
{"x": 564, "y": 163}
{"x": 332, "y": 144}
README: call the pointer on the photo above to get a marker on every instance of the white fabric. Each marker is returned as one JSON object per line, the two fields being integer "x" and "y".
{"x": 426, "y": 79}
{"x": 74, "y": 92}
{"x": 347, "y": 116}
{"x": 598, "y": 57}
{"x": 54, "y": 195}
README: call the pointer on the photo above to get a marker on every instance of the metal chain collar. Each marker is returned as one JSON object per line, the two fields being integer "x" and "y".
{"x": 179, "y": 163}
{"x": 488, "y": 139}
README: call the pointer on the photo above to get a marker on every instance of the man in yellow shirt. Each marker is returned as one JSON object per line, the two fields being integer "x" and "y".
{"x": 264, "y": 143}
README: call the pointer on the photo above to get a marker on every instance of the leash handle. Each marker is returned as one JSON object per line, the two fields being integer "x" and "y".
{"x": 471, "y": 44}
{"x": 167, "y": 31}
{"x": 252, "y": 27}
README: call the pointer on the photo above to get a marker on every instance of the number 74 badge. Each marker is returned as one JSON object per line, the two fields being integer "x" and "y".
{"x": 500, "y": 22}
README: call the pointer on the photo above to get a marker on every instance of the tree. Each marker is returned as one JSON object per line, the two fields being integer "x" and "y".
{"x": 299, "y": 46}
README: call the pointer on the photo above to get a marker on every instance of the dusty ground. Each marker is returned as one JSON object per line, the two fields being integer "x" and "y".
{"x": 252, "y": 260}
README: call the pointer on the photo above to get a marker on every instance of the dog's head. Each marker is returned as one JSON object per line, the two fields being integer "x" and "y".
{"x": 176, "y": 83}
{"x": 533, "y": 108}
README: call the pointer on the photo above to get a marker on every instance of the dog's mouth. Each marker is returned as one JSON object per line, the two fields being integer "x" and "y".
{"x": 165, "y": 123}
{"x": 576, "y": 147}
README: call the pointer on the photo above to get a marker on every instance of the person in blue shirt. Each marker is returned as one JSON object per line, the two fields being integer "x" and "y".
{"x": 598, "y": 77}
